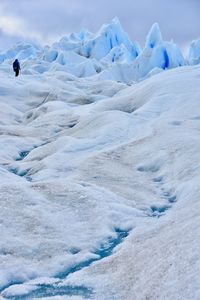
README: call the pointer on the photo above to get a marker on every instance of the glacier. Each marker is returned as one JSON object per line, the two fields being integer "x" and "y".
{"x": 99, "y": 169}
{"x": 109, "y": 54}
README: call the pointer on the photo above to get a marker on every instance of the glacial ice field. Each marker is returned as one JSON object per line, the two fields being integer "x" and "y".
{"x": 100, "y": 170}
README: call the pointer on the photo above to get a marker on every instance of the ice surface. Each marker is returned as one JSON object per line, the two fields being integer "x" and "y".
{"x": 154, "y": 37}
{"x": 194, "y": 53}
{"x": 109, "y": 54}
{"x": 99, "y": 180}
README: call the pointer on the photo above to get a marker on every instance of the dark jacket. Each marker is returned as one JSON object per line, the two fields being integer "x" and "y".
{"x": 16, "y": 65}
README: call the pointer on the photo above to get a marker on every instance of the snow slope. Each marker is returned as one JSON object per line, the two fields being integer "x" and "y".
{"x": 99, "y": 186}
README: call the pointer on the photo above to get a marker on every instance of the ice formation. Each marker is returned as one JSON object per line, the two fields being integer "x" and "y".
{"x": 108, "y": 54}
{"x": 194, "y": 53}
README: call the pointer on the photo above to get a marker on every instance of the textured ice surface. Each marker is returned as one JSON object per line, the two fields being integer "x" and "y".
{"x": 194, "y": 53}
{"x": 109, "y": 55}
{"x": 83, "y": 157}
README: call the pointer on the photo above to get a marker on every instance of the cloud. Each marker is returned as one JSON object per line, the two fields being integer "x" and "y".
{"x": 16, "y": 27}
{"x": 10, "y": 25}
{"x": 47, "y": 20}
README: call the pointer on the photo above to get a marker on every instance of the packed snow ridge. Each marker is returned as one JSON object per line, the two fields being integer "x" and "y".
{"x": 108, "y": 54}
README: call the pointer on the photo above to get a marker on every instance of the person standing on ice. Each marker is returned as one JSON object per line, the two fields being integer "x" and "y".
{"x": 16, "y": 67}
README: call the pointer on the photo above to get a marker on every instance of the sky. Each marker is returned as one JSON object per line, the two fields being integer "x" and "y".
{"x": 45, "y": 21}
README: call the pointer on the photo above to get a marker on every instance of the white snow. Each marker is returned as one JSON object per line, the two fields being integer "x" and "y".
{"x": 99, "y": 180}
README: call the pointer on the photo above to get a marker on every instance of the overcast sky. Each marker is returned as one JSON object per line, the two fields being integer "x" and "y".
{"x": 46, "y": 21}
